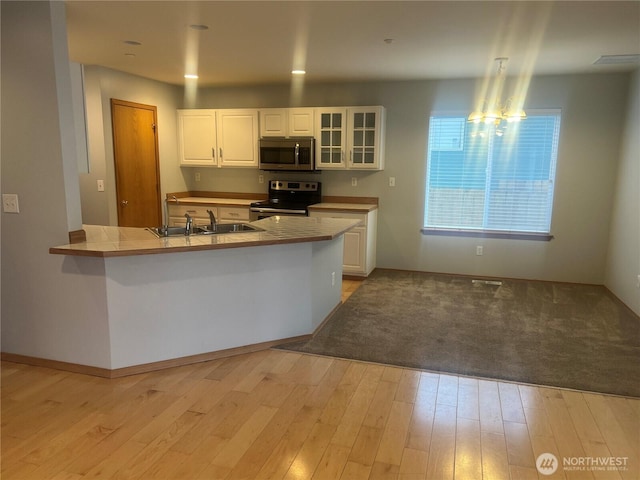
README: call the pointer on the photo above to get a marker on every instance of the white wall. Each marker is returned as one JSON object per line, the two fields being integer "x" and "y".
{"x": 48, "y": 310}
{"x": 103, "y": 84}
{"x": 623, "y": 265}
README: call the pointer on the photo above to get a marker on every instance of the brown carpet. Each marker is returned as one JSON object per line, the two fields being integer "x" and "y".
{"x": 543, "y": 333}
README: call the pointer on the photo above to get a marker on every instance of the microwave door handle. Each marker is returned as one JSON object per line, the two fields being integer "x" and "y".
{"x": 297, "y": 153}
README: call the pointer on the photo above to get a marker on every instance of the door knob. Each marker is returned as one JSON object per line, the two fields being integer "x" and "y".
{"x": 124, "y": 203}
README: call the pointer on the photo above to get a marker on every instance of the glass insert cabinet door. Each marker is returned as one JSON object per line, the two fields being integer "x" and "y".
{"x": 331, "y": 138}
{"x": 350, "y": 138}
{"x": 365, "y": 126}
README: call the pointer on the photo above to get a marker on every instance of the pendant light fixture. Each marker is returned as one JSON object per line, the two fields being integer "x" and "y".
{"x": 492, "y": 110}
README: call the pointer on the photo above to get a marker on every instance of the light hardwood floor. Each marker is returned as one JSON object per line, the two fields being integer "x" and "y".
{"x": 283, "y": 415}
{"x": 348, "y": 287}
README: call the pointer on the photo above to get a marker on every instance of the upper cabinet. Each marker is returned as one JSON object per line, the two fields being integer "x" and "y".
{"x": 222, "y": 138}
{"x": 197, "y": 138}
{"x": 350, "y": 138}
{"x": 287, "y": 122}
{"x": 331, "y": 138}
{"x": 237, "y": 135}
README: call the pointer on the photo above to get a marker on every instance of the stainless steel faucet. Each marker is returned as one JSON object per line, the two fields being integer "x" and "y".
{"x": 189, "y": 225}
{"x": 212, "y": 219}
{"x": 166, "y": 209}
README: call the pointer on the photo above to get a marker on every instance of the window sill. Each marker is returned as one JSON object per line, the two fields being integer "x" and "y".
{"x": 542, "y": 237}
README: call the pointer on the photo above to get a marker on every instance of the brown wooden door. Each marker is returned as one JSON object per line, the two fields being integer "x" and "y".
{"x": 135, "y": 151}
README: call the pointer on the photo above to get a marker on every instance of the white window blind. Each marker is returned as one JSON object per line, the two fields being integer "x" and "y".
{"x": 478, "y": 180}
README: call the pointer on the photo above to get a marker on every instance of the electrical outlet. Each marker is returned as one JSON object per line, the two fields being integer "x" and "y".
{"x": 260, "y": 178}
{"x": 333, "y": 279}
{"x": 354, "y": 182}
{"x": 10, "y": 203}
{"x": 479, "y": 250}
{"x": 638, "y": 282}
{"x": 392, "y": 181}
{"x": 100, "y": 185}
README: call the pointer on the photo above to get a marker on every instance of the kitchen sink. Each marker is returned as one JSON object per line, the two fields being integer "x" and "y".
{"x": 205, "y": 230}
{"x": 228, "y": 228}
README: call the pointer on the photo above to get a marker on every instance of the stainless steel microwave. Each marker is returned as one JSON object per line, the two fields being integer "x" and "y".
{"x": 283, "y": 154}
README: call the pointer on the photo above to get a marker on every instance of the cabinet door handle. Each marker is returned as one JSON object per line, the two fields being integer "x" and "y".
{"x": 213, "y": 153}
{"x": 220, "y": 153}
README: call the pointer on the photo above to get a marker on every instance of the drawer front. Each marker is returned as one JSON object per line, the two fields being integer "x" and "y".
{"x": 360, "y": 216}
{"x": 233, "y": 213}
{"x": 193, "y": 210}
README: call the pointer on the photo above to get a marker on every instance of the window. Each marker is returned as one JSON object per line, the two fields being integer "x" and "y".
{"x": 488, "y": 180}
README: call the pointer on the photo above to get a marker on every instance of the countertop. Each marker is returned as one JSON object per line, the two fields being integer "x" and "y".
{"x": 344, "y": 207}
{"x": 103, "y": 241}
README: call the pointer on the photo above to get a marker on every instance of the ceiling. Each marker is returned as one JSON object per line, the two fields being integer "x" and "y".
{"x": 260, "y": 42}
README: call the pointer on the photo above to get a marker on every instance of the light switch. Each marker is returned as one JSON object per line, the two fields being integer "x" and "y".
{"x": 100, "y": 185}
{"x": 10, "y": 203}
{"x": 392, "y": 181}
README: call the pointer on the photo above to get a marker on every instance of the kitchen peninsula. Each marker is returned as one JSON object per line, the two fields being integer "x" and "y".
{"x": 178, "y": 300}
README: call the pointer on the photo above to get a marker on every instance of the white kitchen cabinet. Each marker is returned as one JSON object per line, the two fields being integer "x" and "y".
{"x": 233, "y": 214}
{"x": 237, "y": 136}
{"x": 359, "y": 256}
{"x": 301, "y": 122}
{"x": 350, "y": 138}
{"x": 222, "y": 138}
{"x": 200, "y": 216}
{"x": 273, "y": 122}
{"x": 197, "y": 138}
{"x": 287, "y": 122}
{"x": 366, "y": 138}
{"x": 331, "y": 138}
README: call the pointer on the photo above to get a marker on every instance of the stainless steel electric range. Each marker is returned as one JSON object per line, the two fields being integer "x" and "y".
{"x": 287, "y": 198}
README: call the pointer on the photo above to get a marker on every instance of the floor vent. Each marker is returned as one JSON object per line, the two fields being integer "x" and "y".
{"x": 487, "y": 282}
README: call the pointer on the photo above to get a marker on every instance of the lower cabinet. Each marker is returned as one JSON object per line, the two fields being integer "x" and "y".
{"x": 200, "y": 215}
{"x": 359, "y": 257}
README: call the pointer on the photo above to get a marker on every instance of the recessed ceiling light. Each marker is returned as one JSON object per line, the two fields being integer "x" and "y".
{"x": 298, "y": 72}
{"x": 199, "y": 27}
{"x": 132, "y": 42}
{"x": 190, "y": 75}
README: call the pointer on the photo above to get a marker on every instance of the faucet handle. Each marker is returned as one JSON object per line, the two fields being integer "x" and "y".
{"x": 188, "y": 226}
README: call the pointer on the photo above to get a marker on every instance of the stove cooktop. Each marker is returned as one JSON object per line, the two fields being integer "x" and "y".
{"x": 290, "y": 196}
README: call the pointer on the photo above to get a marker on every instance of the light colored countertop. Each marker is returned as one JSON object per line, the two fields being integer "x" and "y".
{"x": 344, "y": 207}
{"x": 105, "y": 241}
